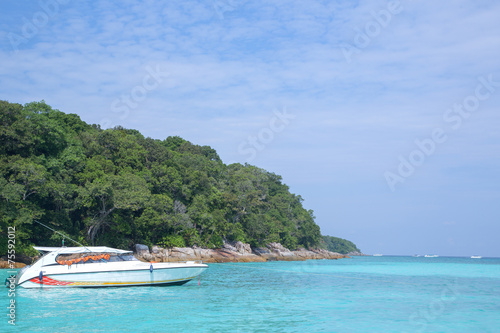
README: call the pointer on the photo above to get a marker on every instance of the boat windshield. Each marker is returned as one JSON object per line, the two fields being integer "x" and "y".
{"x": 123, "y": 257}
{"x": 88, "y": 258}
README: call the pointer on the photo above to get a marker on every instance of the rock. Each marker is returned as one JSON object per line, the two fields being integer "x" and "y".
{"x": 265, "y": 253}
{"x": 178, "y": 254}
{"x": 277, "y": 247}
{"x": 141, "y": 249}
{"x": 239, "y": 247}
{"x": 229, "y": 246}
{"x": 189, "y": 252}
{"x": 261, "y": 250}
{"x": 279, "y": 252}
{"x": 243, "y": 248}
{"x": 6, "y": 264}
{"x": 206, "y": 254}
{"x": 155, "y": 249}
{"x": 183, "y": 254}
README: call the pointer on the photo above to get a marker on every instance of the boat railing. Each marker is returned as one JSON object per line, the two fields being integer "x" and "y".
{"x": 189, "y": 262}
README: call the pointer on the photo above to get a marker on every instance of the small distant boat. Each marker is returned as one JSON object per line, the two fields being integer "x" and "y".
{"x": 431, "y": 256}
{"x": 378, "y": 255}
{"x": 475, "y": 257}
{"x": 417, "y": 255}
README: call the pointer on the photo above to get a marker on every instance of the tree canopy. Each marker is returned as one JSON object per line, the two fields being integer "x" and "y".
{"x": 116, "y": 187}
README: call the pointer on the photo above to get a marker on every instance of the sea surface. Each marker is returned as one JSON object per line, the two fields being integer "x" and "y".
{"x": 362, "y": 294}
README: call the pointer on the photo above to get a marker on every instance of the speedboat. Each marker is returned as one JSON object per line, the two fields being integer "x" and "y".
{"x": 378, "y": 255}
{"x": 475, "y": 257}
{"x": 431, "y": 256}
{"x": 100, "y": 266}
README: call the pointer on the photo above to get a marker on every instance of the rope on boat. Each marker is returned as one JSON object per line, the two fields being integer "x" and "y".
{"x": 64, "y": 236}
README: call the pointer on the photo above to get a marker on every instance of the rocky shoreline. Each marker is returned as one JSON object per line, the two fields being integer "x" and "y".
{"x": 230, "y": 252}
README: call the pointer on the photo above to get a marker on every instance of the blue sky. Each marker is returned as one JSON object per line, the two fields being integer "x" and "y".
{"x": 383, "y": 116}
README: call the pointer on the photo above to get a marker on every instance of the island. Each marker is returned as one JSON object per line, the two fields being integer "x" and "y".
{"x": 117, "y": 188}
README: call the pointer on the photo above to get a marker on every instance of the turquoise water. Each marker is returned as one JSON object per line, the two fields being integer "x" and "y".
{"x": 362, "y": 294}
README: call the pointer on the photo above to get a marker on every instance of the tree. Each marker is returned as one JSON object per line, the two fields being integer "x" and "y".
{"x": 105, "y": 195}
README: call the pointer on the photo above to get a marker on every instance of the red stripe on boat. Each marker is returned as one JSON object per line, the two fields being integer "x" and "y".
{"x": 50, "y": 282}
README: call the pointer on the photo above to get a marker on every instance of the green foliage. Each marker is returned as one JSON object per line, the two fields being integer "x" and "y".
{"x": 339, "y": 245}
{"x": 172, "y": 241}
{"x": 115, "y": 187}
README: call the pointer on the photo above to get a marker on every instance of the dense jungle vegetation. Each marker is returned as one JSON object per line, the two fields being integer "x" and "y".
{"x": 116, "y": 187}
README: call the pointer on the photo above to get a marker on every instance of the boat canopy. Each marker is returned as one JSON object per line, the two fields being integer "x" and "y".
{"x": 88, "y": 249}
